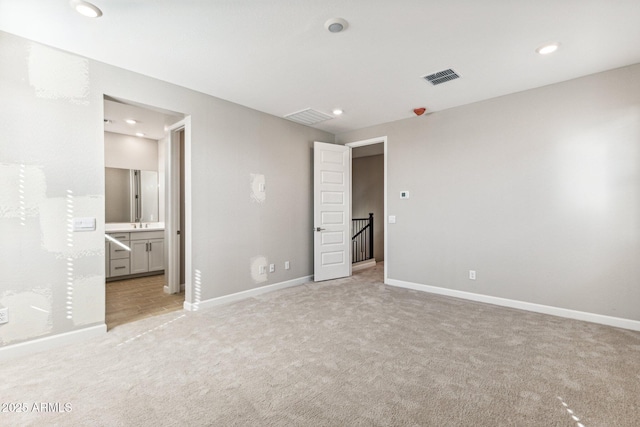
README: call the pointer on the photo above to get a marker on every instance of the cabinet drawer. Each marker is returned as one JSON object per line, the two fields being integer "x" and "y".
{"x": 118, "y": 252}
{"x": 119, "y": 267}
{"x": 120, "y": 236}
{"x": 146, "y": 235}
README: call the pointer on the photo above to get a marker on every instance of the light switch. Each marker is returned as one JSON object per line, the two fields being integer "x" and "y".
{"x": 84, "y": 224}
{"x": 392, "y": 219}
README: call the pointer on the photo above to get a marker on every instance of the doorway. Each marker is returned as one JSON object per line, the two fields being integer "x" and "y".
{"x": 332, "y": 207}
{"x": 178, "y": 191}
{"x": 150, "y": 144}
{"x": 367, "y": 205}
{"x": 370, "y": 148}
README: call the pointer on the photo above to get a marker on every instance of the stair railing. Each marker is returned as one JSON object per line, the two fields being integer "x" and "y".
{"x": 362, "y": 240}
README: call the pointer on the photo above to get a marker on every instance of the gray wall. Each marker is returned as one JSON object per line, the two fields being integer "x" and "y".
{"x": 368, "y": 196}
{"x": 52, "y": 169}
{"x": 538, "y": 191}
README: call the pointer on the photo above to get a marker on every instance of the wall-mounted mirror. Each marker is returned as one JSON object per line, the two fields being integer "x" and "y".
{"x": 131, "y": 195}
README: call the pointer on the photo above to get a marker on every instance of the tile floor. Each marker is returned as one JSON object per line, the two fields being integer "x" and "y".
{"x": 134, "y": 299}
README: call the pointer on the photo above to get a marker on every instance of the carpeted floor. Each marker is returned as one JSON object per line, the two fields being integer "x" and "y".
{"x": 349, "y": 352}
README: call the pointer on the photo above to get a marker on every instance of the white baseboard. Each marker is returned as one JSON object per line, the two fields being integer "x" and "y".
{"x": 40, "y": 344}
{"x": 246, "y": 294}
{"x": 363, "y": 264}
{"x": 617, "y": 322}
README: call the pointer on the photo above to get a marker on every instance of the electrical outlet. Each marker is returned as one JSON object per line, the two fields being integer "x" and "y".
{"x": 286, "y": 265}
{"x": 272, "y": 268}
{"x": 4, "y": 315}
{"x": 262, "y": 269}
{"x": 472, "y": 274}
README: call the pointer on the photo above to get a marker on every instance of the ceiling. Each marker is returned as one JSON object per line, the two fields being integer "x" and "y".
{"x": 152, "y": 124}
{"x": 277, "y": 57}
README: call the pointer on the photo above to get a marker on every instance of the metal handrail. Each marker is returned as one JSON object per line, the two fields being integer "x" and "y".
{"x": 362, "y": 242}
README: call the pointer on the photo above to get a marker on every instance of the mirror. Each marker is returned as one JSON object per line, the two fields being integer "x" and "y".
{"x": 131, "y": 195}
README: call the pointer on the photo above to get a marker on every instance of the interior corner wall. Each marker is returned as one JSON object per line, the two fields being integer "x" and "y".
{"x": 52, "y": 169}
{"x": 368, "y": 196}
{"x": 538, "y": 192}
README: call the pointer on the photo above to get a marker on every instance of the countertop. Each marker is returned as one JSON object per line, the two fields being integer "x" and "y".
{"x": 129, "y": 227}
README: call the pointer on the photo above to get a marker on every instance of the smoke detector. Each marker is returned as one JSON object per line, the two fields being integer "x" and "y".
{"x": 336, "y": 25}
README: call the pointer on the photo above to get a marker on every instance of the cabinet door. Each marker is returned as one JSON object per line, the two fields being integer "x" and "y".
{"x": 139, "y": 256}
{"x": 156, "y": 255}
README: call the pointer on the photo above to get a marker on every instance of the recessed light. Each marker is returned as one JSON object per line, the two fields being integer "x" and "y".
{"x": 130, "y": 121}
{"x": 337, "y": 111}
{"x": 86, "y": 9}
{"x": 548, "y": 48}
{"x": 139, "y": 134}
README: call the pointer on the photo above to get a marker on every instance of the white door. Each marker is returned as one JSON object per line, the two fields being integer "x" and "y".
{"x": 332, "y": 211}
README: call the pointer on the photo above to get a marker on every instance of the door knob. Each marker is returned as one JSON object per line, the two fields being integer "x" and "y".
{"x": 319, "y": 229}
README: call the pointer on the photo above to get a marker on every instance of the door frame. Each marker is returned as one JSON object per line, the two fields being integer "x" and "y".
{"x": 172, "y": 208}
{"x": 372, "y": 141}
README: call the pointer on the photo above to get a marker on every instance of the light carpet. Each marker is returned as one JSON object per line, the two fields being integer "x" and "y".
{"x": 348, "y": 352}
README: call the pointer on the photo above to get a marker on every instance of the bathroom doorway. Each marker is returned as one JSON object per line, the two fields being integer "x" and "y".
{"x": 143, "y": 155}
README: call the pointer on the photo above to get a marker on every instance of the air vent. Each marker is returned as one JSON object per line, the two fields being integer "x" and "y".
{"x": 441, "y": 77}
{"x": 308, "y": 117}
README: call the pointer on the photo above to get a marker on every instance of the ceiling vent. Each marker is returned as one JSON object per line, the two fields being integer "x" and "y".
{"x": 308, "y": 117}
{"x": 442, "y": 77}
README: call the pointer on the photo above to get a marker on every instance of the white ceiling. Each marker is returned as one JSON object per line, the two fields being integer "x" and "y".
{"x": 276, "y": 56}
{"x": 152, "y": 124}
